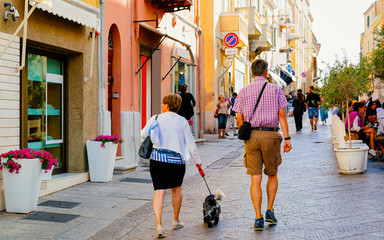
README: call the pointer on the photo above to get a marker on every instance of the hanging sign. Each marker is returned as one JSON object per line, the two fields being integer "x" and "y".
{"x": 231, "y": 40}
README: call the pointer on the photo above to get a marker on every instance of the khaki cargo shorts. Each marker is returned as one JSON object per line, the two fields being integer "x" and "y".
{"x": 263, "y": 148}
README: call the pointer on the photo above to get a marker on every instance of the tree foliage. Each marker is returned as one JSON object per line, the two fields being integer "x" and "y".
{"x": 345, "y": 81}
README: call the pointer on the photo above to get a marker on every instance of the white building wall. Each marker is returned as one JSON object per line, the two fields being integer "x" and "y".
{"x": 9, "y": 101}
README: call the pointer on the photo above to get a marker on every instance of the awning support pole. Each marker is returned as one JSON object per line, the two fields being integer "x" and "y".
{"x": 151, "y": 54}
{"x": 18, "y": 30}
{"x": 174, "y": 65}
{"x": 24, "y": 38}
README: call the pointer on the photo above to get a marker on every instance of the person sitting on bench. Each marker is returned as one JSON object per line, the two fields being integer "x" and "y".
{"x": 356, "y": 125}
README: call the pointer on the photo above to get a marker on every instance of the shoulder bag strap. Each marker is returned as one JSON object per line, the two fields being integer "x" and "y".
{"x": 149, "y": 131}
{"x": 258, "y": 100}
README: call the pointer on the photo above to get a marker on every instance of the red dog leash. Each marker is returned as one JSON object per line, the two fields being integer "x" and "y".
{"x": 203, "y": 175}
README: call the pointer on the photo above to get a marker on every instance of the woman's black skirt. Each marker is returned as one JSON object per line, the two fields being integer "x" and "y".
{"x": 166, "y": 175}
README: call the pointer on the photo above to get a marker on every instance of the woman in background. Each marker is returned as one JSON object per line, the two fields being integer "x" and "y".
{"x": 223, "y": 106}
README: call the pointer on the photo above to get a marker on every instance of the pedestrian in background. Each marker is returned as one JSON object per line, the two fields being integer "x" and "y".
{"x": 223, "y": 106}
{"x": 323, "y": 114}
{"x": 187, "y": 104}
{"x": 263, "y": 147}
{"x": 173, "y": 144}
{"x": 231, "y": 116}
{"x": 313, "y": 102}
{"x": 298, "y": 111}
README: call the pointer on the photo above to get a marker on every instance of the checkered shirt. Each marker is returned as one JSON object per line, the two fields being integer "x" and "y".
{"x": 267, "y": 112}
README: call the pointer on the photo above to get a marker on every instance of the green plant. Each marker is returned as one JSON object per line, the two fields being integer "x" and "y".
{"x": 344, "y": 81}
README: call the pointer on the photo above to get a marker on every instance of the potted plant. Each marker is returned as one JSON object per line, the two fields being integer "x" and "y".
{"x": 101, "y": 153}
{"x": 48, "y": 163}
{"x": 343, "y": 82}
{"x": 22, "y": 180}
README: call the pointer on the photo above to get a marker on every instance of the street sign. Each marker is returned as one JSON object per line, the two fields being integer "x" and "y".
{"x": 231, "y": 40}
{"x": 230, "y": 58}
{"x": 303, "y": 74}
{"x": 231, "y": 51}
{"x": 293, "y": 73}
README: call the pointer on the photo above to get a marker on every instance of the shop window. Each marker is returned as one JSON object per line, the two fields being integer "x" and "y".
{"x": 45, "y": 105}
{"x": 183, "y": 75}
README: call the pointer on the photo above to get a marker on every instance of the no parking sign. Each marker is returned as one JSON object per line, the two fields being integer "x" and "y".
{"x": 303, "y": 74}
{"x": 231, "y": 40}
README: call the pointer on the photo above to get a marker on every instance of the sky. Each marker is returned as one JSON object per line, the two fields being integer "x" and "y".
{"x": 338, "y": 25}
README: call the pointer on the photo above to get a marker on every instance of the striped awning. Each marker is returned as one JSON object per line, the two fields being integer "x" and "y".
{"x": 73, "y": 10}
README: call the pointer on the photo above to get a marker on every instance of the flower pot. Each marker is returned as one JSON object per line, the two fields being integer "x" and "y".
{"x": 101, "y": 160}
{"x": 351, "y": 160}
{"x": 22, "y": 189}
{"x": 46, "y": 176}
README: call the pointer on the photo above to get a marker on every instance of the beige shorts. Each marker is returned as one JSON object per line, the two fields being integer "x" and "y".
{"x": 263, "y": 148}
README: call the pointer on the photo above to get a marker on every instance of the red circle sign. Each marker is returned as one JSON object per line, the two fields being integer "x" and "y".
{"x": 231, "y": 40}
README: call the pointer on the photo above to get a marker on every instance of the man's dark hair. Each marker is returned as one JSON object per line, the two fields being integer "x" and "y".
{"x": 312, "y": 88}
{"x": 259, "y": 67}
{"x": 299, "y": 90}
{"x": 234, "y": 94}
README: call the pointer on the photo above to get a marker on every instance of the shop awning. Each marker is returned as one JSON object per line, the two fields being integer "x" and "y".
{"x": 280, "y": 82}
{"x": 286, "y": 76}
{"x": 73, "y": 10}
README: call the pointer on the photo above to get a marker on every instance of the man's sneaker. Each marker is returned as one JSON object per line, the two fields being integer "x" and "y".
{"x": 259, "y": 224}
{"x": 270, "y": 217}
{"x": 226, "y": 134}
{"x": 235, "y": 134}
{"x": 372, "y": 152}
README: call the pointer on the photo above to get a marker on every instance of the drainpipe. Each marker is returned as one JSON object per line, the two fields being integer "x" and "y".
{"x": 101, "y": 98}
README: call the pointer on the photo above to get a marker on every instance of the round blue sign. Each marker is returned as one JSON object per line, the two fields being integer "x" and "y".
{"x": 231, "y": 40}
{"x": 293, "y": 73}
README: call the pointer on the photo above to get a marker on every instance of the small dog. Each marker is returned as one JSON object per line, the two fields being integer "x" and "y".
{"x": 212, "y": 209}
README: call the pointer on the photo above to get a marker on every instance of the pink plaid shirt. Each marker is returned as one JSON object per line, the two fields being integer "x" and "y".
{"x": 267, "y": 112}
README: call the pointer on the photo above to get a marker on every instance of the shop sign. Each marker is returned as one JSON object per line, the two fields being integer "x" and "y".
{"x": 231, "y": 51}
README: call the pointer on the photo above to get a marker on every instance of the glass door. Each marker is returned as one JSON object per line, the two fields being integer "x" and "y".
{"x": 45, "y": 106}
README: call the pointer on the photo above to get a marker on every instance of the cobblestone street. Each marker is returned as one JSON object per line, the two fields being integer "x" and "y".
{"x": 313, "y": 200}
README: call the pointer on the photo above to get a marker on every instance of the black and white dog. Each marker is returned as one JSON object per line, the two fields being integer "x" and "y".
{"x": 212, "y": 209}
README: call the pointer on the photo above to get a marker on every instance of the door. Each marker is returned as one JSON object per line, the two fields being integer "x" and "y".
{"x": 45, "y": 127}
{"x": 146, "y": 93}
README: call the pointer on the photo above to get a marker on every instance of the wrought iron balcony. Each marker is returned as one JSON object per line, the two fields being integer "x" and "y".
{"x": 173, "y": 5}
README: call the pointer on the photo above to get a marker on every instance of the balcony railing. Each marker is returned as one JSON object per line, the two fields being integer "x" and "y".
{"x": 254, "y": 21}
{"x": 173, "y": 5}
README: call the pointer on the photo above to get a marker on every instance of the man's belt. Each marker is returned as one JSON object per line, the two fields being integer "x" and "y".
{"x": 274, "y": 129}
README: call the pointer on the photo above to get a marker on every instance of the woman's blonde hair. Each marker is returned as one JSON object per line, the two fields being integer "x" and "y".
{"x": 173, "y": 101}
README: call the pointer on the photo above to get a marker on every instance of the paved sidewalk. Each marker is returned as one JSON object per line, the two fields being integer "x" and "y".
{"x": 101, "y": 204}
{"x": 313, "y": 200}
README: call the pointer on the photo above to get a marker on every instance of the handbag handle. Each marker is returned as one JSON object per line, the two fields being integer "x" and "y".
{"x": 258, "y": 100}
{"x": 149, "y": 131}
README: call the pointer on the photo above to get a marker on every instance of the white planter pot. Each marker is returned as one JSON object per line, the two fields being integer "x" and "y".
{"x": 101, "y": 160}
{"x": 22, "y": 189}
{"x": 351, "y": 161}
{"x": 46, "y": 176}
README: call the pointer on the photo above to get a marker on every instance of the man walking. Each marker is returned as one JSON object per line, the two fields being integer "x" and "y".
{"x": 263, "y": 147}
{"x": 231, "y": 117}
{"x": 313, "y": 105}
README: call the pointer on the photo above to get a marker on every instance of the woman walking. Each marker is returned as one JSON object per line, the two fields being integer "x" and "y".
{"x": 223, "y": 106}
{"x": 298, "y": 110}
{"x": 323, "y": 115}
{"x": 173, "y": 144}
{"x": 187, "y": 104}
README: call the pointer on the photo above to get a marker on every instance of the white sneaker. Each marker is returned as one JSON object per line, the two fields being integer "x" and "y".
{"x": 160, "y": 232}
{"x": 372, "y": 152}
{"x": 177, "y": 225}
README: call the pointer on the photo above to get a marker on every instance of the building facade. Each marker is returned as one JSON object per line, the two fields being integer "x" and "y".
{"x": 48, "y": 85}
{"x": 150, "y": 48}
